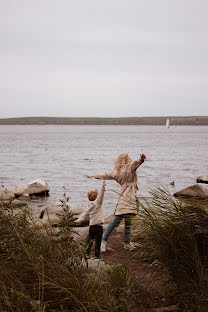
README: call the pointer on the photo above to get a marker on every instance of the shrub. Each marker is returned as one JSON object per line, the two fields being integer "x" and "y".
{"x": 42, "y": 269}
{"x": 176, "y": 233}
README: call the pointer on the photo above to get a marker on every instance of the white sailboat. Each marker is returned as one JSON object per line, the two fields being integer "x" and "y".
{"x": 167, "y": 123}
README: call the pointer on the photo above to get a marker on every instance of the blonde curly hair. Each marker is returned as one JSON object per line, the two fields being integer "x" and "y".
{"x": 121, "y": 161}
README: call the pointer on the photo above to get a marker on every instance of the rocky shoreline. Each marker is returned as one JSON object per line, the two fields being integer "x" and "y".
{"x": 48, "y": 214}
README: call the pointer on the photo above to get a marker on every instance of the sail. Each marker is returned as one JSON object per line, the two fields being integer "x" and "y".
{"x": 167, "y": 123}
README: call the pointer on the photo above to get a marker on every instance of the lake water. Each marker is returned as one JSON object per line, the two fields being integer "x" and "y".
{"x": 60, "y": 155}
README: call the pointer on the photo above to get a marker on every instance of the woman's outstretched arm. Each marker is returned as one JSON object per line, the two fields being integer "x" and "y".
{"x": 135, "y": 164}
{"x": 104, "y": 176}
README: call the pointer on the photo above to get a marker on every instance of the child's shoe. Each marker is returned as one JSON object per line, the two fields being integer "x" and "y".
{"x": 103, "y": 246}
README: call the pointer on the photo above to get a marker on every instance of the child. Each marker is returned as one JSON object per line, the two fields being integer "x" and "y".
{"x": 95, "y": 213}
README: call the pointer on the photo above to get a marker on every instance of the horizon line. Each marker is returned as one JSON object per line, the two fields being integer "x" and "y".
{"x": 165, "y": 116}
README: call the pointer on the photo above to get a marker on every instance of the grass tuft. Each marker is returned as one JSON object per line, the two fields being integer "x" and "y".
{"x": 175, "y": 233}
{"x": 42, "y": 270}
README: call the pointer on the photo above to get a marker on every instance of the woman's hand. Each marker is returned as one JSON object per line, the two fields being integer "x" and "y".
{"x": 143, "y": 157}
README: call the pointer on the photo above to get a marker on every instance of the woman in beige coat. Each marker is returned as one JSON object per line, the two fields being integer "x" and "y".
{"x": 124, "y": 173}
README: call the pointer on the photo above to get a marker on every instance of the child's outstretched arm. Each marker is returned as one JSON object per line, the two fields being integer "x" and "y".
{"x": 83, "y": 217}
{"x": 100, "y": 196}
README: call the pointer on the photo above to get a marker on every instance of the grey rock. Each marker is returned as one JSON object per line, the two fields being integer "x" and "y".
{"x": 98, "y": 266}
{"x": 24, "y": 197}
{"x": 202, "y": 179}
{"x": 49, "y": 214}
{"x": 80, "y": 233}
{"x": 36, "y": 187}
{"x": 18, "y": 203}
{"x": 199, "y": 190}
{"x": 6, "y": 194}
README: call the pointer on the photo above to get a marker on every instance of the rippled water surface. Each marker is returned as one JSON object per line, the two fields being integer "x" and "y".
{"x": 60, "y": 155}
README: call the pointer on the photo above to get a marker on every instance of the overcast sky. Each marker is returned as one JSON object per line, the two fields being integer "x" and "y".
{"x": 109, "y": 58}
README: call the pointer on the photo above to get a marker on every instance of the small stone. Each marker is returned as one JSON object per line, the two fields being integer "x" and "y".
{"x": 18, "y": 203}
{"x": 6, "y": 194}
{"x": 202, "y": 179}
{"x": 24, "y": 196}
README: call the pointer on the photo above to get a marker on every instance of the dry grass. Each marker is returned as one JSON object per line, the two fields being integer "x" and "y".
{"x": 42, "y": 270}
{"x": 175, "y": 233}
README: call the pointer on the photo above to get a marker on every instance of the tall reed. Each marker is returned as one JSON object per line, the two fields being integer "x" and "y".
{"x": 175, "y": 232}
{"x": 42, "y": 270}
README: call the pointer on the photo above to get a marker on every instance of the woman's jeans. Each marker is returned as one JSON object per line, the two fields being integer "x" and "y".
{"x": 115, "y": 222}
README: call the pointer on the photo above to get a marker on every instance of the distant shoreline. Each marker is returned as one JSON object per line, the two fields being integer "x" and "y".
{"x": 175, "y": 121}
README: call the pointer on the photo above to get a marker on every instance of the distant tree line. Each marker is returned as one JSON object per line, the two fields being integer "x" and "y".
{"x": 180, "y": 120}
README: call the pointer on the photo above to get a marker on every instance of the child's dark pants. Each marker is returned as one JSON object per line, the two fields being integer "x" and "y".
{"x": 95, "y": 233}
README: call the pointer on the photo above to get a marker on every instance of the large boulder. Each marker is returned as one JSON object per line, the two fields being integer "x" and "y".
{"x": 6, "y": 194}
{"x": 36, "y": 187}
{"x": 80, "y": 233}
{"x": 49, "y": 214}
{"x": 198, "y": 190}
{"x": 202, "y": 179}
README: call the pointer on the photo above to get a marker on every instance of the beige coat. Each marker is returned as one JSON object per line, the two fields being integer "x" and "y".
{"x": 127, "y": 178}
